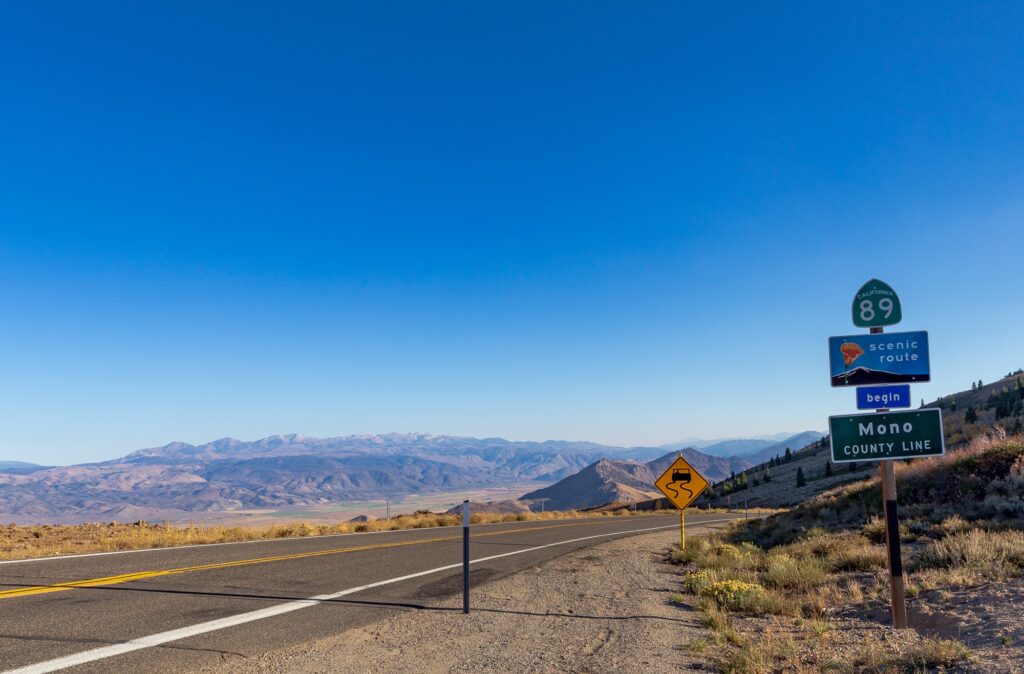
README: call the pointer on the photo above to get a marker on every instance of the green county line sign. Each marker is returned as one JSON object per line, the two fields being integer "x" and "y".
{"x": 887, "y": 435}
{"x": 876, "y": 305}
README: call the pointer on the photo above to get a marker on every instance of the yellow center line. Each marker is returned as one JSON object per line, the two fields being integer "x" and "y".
{"x": 143, "y": 575}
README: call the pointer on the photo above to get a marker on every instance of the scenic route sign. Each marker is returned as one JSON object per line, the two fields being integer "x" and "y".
{"x": 681, "y": 483}
{"x": 883, "y": 397}
{"x": 886, "y": 436}
{"x": 889, "y": 358}
{"x": 876, "y": 305}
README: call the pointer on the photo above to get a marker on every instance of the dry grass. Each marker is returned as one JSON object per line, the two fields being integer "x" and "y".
{"x": 970, "y": 558}
{"x": 788, "y": 573}
{"x": 922, "y": 656}
{"x": 23, "y": 542}
{"x": 780, "y": 590}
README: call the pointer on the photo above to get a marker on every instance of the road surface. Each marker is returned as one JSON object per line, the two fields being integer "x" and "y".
{"x": 191, "y": 607}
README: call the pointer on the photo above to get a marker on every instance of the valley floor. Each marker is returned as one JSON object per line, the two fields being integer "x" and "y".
{"x": 602, "y": 609}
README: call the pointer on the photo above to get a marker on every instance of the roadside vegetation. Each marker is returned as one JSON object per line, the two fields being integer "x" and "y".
{"x": 23, "y": 542}
{"x": 807, "y": 590}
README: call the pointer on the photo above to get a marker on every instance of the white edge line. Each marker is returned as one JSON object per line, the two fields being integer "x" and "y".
{"x": 240, "y": 619}
{"x": 294, "y": 538}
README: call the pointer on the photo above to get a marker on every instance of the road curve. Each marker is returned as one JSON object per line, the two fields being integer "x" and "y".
{"x": 194, "y": 607}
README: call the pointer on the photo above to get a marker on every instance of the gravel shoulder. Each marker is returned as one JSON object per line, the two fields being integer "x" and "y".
{"x": 602, "y": 609}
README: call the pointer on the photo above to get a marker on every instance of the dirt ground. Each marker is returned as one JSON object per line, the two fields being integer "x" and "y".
{"x": 551, "y": 618}
{"x": 987, "y": 619}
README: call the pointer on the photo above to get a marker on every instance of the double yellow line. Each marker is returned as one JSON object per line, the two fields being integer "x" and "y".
{"x": 143, "y": 575}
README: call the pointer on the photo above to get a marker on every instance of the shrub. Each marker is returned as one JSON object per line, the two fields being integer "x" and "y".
{"x": 727, "y": 551}
{"x": 734, "y": 595}
{"x": 696, "y": 581}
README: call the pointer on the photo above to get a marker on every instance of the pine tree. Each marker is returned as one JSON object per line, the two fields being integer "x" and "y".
{"x": 767, "y": 475}
{"x": 789, "y": 454}
{"x": 801, "y": 481}
{"x": 970, "y": 416}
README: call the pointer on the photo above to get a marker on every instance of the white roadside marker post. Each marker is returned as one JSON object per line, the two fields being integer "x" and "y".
{"x": 465, "y": 556}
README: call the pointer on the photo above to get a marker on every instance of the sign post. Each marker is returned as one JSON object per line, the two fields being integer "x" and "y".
{"x": 681, "y": 484}
{"x": 885, "y": 436}
{"x": 465, "y": 556}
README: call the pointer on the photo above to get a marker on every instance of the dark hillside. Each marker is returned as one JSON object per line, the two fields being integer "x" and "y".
{"x": 982, "y": 484}
{"x": 997, "y": 407}
{"x": 975, "y": 411}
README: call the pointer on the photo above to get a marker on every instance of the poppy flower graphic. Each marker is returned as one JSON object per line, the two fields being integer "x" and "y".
{"x": 851, "y": 352}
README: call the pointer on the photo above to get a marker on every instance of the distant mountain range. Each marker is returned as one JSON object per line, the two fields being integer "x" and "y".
{"x": 754, "y": 448}
{"x": 608, "y": 480}
{"x": 733, "y": 446}
{"x": 177, "y": 480}
{"x": 19, "y": 467}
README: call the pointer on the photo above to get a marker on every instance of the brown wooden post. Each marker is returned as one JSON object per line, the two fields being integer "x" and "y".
{"x": 894, "y": 559}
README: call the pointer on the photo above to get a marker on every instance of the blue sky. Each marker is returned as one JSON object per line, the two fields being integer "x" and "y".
{"x": 623, "y": 222}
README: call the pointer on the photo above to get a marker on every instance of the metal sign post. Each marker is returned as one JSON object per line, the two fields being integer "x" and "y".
{"x": 465, "y": 556}
{"x": 682, "y": 529}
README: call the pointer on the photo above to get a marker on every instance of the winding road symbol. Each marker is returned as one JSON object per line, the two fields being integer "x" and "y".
{"x": 680, "y": 477}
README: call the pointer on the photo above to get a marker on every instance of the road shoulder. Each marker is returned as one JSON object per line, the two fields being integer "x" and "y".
{"x": 601, "y": 609}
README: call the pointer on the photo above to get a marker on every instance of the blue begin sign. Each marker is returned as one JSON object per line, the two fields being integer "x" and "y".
{"x": 883, "y": 397}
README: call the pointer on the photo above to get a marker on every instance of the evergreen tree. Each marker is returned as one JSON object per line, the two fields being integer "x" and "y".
{"x": 789, "y": 455}
{"x": 767, "y": 475}
{"x": 801, "y": 481}
{"x": 970, "y": 416}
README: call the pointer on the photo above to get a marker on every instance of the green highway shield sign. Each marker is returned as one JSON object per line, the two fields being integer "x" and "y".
{"x": 876, "y": 305}
{"x": 887, "y": 436}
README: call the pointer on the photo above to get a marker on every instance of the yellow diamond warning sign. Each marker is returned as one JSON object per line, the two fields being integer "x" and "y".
{"x": 681, "y": 483}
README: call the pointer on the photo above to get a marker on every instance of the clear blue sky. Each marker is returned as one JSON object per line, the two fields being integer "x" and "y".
{"x": 623, "y": 222}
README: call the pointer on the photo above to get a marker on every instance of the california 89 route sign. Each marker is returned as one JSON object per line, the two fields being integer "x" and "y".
{"x": 876, "y": 305}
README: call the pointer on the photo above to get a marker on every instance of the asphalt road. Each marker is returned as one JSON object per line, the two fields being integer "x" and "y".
{"x": 191, "y": 607}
